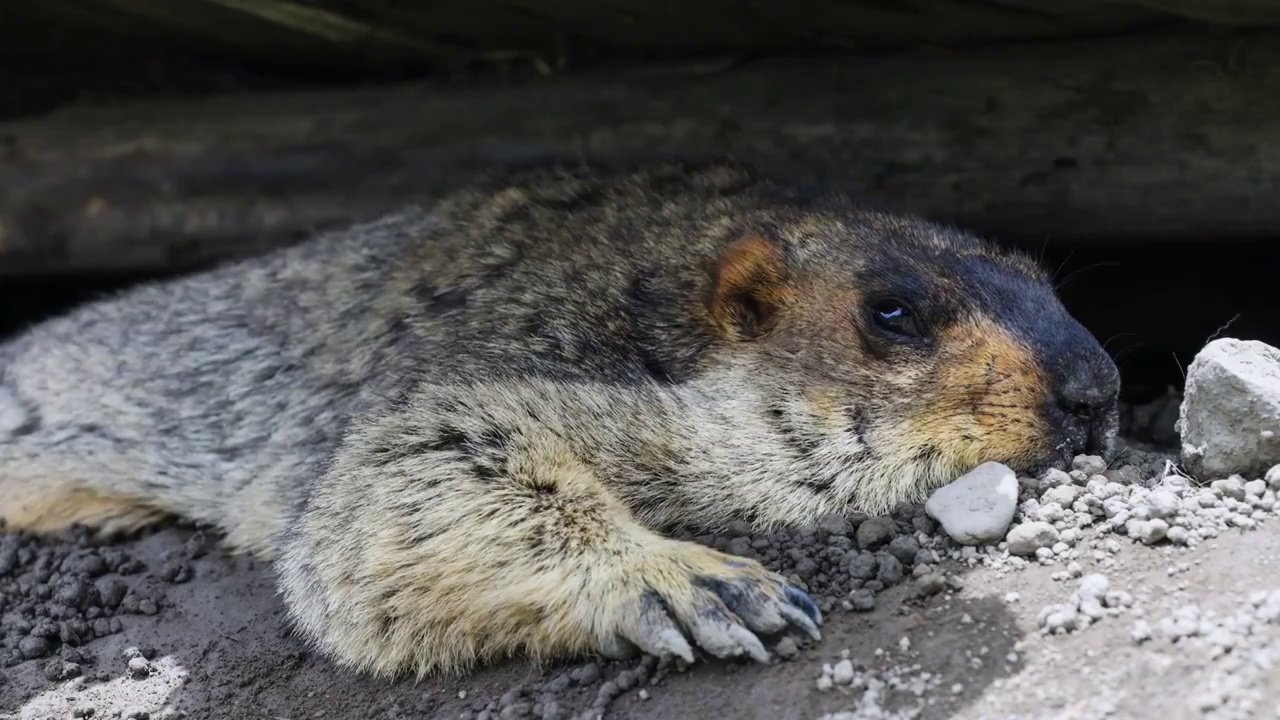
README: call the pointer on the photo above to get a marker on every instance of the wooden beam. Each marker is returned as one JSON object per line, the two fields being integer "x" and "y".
{"x": 1158, "y": 138}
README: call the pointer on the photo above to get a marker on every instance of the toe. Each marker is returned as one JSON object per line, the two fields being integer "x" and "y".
{"x": 715, "y": 632}
{"x": 616, "y": 647}
{"x": 655, "y": 632}
{"x": 755, "y": 602}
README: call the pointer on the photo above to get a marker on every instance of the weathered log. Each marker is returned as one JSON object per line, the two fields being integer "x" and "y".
{"x": 372, "y": 33}
{"x": 1170, "y": 137}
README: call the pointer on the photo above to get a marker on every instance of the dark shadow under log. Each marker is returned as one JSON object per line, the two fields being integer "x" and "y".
{"x": 1166, "y": 138}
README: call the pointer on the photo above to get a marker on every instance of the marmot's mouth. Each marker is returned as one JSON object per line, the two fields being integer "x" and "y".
{"x": 1093, "y": 436}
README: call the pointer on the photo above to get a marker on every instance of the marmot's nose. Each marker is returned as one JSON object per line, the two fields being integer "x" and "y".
{"x": 1086, "y": 395}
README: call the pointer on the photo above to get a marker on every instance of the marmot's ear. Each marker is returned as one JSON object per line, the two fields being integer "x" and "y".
{"x": 749, "y": 287}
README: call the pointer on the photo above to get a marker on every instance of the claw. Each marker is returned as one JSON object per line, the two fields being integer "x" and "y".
{"x": 728, "y": 640}
{"x": 750, "y": 643}
{"x": 801, "y": 599}
{"x": 672, "y": 643}
{"x": 802, "y": 621}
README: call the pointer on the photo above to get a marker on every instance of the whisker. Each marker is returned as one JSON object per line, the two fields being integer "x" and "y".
{"x": 1082, "y": 270}
{"x": 1117, "y": 336}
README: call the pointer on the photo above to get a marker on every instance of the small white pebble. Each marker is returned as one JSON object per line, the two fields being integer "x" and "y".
{"x": 1094, "y": 585}
{"x": 1273, "y": 478}
{"x": 842, "y": 673}
{"x": 139, "y": 667}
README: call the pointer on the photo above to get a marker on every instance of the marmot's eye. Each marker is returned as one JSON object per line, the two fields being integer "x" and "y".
{"x": 895, "y": 317}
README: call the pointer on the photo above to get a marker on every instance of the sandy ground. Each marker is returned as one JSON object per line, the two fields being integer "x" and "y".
{"x": 218, "y": 647}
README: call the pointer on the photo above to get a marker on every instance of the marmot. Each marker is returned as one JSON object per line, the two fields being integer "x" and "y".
{"x": 458, "y": 431}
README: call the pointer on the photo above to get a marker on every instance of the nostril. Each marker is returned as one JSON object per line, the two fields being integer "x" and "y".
{"x": 1083, "y": 410}
{"x": 1087, "y": 405}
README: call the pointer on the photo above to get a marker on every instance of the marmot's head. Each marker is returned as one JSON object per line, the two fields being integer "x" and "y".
{"x": 894, "y": 354}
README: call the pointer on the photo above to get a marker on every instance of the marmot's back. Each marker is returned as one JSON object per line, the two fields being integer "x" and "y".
{"x": 210, "y": 396}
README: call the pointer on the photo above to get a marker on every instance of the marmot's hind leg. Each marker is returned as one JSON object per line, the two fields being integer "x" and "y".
{"x": 48, "y": 482}
{"x": 50, "y": 504}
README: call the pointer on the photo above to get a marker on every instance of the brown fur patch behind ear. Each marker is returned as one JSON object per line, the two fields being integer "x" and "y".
{"x": 749, "y": 288}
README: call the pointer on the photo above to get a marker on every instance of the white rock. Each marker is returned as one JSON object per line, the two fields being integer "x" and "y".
{"x": 1163, "y": 504}
{"x": 1273, "y": 477}
{"x": 1232, "y": 397}
{"x": 1027, "y": 538}
{"x": 1206, "y": 499}
{"x": 1185, "y": 622}
{"x": 977, "y": 507}
{"x": 1149, "y": 532}
{"x": 1089, "y": 464}
{"x": 1064, "y": 495}
{"x": 1050, "y": 512}
{"x": 1054, "y": 476}
{"x": 1091, "y": 608}
{"x": 1232, "y": 487}
{"x": 842, "y": 673}
{"x": 1093, "y": 585}
{"x": 139, "y": 667}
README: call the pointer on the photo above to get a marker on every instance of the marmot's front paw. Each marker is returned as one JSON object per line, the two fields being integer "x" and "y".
{"x": 685, "y": 591}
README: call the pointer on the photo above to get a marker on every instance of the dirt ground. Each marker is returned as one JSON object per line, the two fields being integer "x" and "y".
{"x": 215, "y": 643}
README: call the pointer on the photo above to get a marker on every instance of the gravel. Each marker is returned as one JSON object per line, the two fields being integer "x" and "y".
{"x": 65, "y": 591}
{"x": 1240, "y": 648}
{"x": 889, "y": 687}
{"x": 1091, "y": 601}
